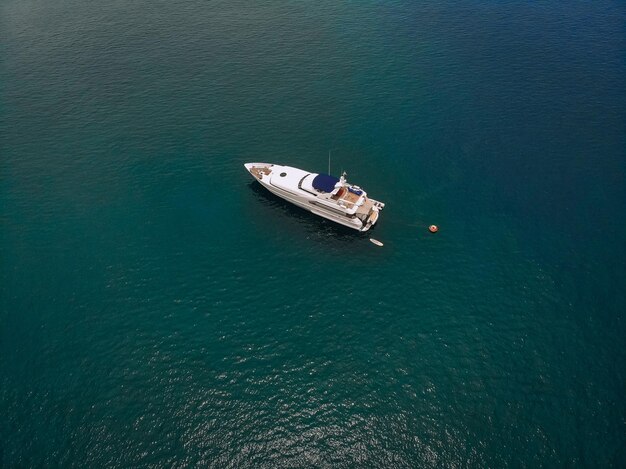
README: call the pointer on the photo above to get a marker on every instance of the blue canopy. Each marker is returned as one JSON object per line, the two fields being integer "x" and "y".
{"x": 325, "y": 182}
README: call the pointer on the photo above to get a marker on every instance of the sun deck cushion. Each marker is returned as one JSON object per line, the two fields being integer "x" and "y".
{"x": 325, "y": 182}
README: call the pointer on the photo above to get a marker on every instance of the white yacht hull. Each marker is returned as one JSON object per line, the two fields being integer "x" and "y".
{"x": 319, "y": 203}
{"x": 308, "y": 205}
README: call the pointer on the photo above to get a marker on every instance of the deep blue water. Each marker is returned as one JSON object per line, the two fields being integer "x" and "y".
{"x": 159, "y": 309}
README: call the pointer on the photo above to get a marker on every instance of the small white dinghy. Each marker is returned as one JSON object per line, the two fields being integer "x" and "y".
{"x": 376, "y": 242}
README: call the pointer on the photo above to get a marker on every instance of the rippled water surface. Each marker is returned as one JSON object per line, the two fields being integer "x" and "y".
{"x": 159, "y": 309}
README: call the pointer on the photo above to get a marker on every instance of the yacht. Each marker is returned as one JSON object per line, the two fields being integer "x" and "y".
{"x": 322, "y": 194}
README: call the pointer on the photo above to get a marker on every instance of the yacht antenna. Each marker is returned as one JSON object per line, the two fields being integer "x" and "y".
{"x": 329, "y": 160}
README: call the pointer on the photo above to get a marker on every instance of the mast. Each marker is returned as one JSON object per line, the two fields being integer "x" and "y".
{"x": 329, "y": 160}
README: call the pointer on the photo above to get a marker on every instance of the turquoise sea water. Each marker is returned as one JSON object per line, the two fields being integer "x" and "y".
{"x": 159, "y": 309}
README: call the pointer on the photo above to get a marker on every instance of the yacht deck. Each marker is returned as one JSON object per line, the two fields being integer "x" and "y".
{"x": 259, "y": 171}
{"x": 365, "y": 208}
{"x": 347, "y": 197}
